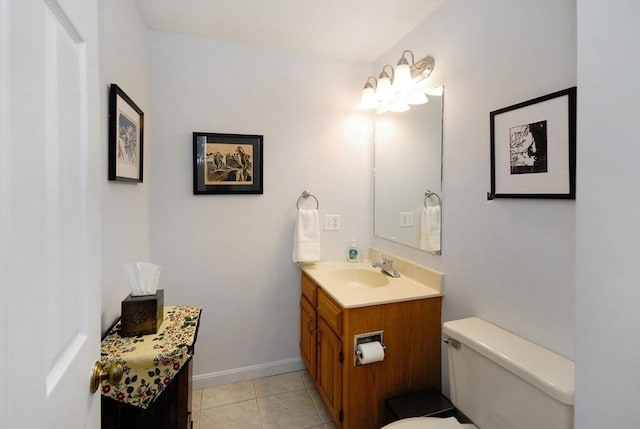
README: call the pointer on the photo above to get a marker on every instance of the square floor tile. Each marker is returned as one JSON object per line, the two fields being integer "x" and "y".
{"x": 323, "y": 412}
{"x": 227, "y": 394}
{"x": 306, "y": 378}
{"x": 278, "y": 384}
{"x": 240, "y": 415}
{"x": 291, "y": 410}
{"x": 195, "y": 418}
{"x": 196, "y": 400}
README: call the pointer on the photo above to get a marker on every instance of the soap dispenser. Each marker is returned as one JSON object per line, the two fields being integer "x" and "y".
{"x": 353, "y": 255}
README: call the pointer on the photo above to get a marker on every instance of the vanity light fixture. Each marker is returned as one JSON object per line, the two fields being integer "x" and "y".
{"x": 384, "y": 90}
{"x": 368, "y": 99}
{"x": 417, "y": 97}
{"x": 403, "y": 78}
{"x": 436, "y": 91}
{"x": 397, "y": 91}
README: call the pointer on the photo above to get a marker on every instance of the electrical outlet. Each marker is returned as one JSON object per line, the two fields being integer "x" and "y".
{"x": 406, "y": 219}
{"x": 332, "y": 222}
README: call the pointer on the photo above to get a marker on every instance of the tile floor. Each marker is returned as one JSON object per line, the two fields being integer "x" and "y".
{"x": 282, "y": 401}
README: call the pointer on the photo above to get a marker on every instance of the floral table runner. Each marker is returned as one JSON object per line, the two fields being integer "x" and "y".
{"x": 150, "y": 361}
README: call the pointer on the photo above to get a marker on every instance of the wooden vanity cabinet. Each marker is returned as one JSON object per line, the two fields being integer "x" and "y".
{"x": 308, "y": 333}
{"x": 355, "y": 395}
{"x": 330, "y": 355}
{"x": 321, "y": 344}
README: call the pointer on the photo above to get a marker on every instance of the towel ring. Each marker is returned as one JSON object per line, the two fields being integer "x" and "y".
{"x": 305, "y": 195}
{"x": 430, "y": 194}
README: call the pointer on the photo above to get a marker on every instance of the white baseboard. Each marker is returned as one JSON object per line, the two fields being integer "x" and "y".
{"x": 212, "y": 379}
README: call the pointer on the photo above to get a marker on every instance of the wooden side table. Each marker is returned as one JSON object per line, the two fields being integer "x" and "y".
{"x": 155, "y": 391}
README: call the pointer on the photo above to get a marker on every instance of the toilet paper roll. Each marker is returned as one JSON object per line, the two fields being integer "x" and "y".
{"x": 370, "y": 352}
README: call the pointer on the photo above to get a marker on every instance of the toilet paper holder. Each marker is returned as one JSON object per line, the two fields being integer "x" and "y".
{"x": 368, "y": 337}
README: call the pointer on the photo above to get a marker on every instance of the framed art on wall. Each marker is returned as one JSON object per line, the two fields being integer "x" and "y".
{"x": 533, "y": 148}
{"x": 227, "y": 163}
{"x": 126, "y": 134}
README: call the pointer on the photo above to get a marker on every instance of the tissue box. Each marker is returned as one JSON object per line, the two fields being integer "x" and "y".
{"x": 142, "y": 315}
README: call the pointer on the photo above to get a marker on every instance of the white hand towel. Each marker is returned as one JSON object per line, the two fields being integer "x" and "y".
{"x": 306, "y": 237}
{"x": 430, "y": 229}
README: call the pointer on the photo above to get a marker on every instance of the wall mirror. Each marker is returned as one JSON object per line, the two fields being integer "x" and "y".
{"x": 408, "y": 162}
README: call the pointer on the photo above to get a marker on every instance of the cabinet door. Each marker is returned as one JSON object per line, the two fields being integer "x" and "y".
{"x": 330, "y": 359}
{"x": 308, "y": 329}
{"x": 171, "y": 410}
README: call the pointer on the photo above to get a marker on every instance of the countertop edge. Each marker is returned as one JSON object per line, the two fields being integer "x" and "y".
{"x": 308, "y": 269}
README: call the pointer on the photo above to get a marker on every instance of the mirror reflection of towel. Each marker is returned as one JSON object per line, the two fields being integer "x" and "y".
{"x": 306, "y": 237}
{"x": 430, "y": 229}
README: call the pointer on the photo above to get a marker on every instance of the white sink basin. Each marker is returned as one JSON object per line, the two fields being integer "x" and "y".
{"x": 359, "y": 284}
{"x": 358, "y": 277}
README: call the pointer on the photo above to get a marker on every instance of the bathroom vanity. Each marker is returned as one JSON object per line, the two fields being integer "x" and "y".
{"x": 342, "y": 301}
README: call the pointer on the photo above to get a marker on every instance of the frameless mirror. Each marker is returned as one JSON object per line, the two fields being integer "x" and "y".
{"x": 408, "y": 163}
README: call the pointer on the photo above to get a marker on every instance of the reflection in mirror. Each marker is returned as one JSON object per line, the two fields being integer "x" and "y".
{"x": 408, "y": 162}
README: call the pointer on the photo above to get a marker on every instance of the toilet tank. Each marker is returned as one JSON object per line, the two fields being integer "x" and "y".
{"x": 502, "y": 381}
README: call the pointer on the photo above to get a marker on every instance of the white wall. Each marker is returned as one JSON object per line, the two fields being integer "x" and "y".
{"x": 489, "y": 55}
{"x": 608, "y": 209}
{"x": 508, "y": 261}
{"x": 125, "y": 206}
{"x": 231, "y": 254}
{"x": 511, "y": 262}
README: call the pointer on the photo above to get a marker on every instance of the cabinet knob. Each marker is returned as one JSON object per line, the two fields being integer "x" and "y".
{"x": 112, "y": 372}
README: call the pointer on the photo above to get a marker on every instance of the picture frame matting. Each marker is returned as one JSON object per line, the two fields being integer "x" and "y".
{"x": 126, "y": 137}
{"x": 227, "y": 163}
{"x": 533, "y": 148}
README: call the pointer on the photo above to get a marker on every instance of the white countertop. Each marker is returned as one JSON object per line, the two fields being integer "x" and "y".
{"x": 353, "y": 295}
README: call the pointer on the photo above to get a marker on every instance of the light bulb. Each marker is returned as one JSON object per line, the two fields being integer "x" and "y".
{"x": 402, "y": 77}
{"x": 381, "y": 109}
{"x": 368, "y": 99}
{"x": 436, "y": 91}
{"x": 417, "y": 98}
{"x": 384, "y": 91}
{"x": 423, "y": 85}
{"x": 398, "y": 106}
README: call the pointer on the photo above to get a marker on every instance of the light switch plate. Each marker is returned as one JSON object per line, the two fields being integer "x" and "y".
{"x": 406, "y": 219}
{"x": 331, "y": 222}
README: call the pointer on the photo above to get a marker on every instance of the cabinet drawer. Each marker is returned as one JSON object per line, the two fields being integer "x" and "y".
{"x": 309, "y": 289}
{"x": 330, "y": 312}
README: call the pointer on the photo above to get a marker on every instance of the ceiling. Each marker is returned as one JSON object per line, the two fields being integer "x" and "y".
{"x": 347, "y": 29}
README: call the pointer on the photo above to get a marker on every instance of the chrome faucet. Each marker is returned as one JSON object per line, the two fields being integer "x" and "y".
{"x": 386, "y": 265}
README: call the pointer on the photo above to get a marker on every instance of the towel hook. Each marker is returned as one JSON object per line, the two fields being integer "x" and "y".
{"x": 428, "y": 194}
{"x": 305, "y": 195}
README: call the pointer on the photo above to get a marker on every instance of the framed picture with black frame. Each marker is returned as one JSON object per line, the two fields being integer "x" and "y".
{"x": 533, "y": 148}
{"x": 126, "y": 137}
{"x": 227, "y": 163}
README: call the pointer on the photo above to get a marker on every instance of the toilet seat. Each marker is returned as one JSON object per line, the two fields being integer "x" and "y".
{"x": 429, "y": 423}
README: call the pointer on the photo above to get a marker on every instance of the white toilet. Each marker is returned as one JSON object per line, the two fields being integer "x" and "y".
{"x": 502, "y": 381}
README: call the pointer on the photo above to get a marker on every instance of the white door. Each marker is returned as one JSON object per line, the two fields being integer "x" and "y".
{"x": 49, "y": 213}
